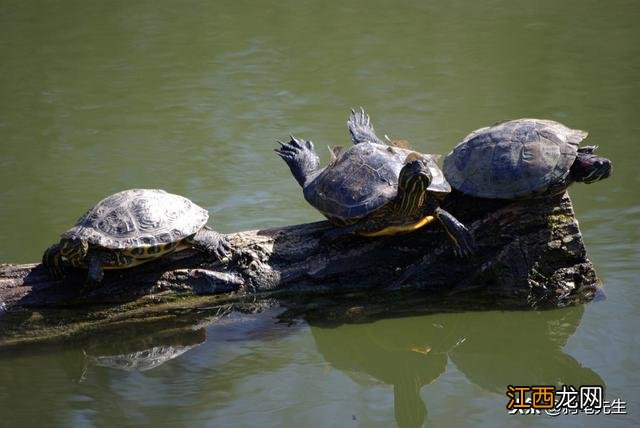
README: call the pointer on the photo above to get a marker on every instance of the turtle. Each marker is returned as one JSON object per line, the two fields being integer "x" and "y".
{"x": 373, "y": 188}
{"x": 523, "y": 158}
{"x": 132, "y": 227}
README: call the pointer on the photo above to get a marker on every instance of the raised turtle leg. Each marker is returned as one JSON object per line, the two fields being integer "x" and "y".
{"x": 52, "y": 260}
{"x": 463, "y": 243}
{"x": 210, "y": 242}
{"x": 361, "y": 129}
{"x": 301, "y": 158}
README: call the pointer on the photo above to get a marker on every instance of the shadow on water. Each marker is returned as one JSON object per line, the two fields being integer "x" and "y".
{"x": 104, "y": 362}
{"x": 491, "y": 349}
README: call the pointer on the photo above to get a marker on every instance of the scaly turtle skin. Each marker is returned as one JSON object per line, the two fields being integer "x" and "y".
{"x": 523, "y": 158}
{"x": 373, "y": 189}
{"x": 133, "y": 227}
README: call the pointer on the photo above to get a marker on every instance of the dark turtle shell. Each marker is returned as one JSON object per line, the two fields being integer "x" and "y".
{"x": 139, "y": 218}
{"x": 362, "y": 179}
{"x": 513, "y": 159}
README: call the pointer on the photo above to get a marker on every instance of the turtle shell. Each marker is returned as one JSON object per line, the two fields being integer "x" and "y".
{"x": 513, "y": 159}
{"x": 139, "y": 218}
{"x": 362, "y": 179}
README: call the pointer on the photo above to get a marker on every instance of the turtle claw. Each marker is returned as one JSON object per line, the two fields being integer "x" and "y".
{"x": 301, "y": 144}
{"x": 223, "y": 249}
{"x": 212, "y": 243}
{"x": 361, "y": 117}
{"x": 300, "y": 156}
{"x": 288, "y": 150}
{"x": 466, "y": 246}
{"x": 361, "y": 129}
{"x": 364, "y": 116}
{"x": 294, "y": 145}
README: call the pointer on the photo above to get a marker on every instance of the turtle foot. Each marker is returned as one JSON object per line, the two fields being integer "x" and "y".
{"x": 212, "y": 243}
{"x": 361, "y": 129}
{"x": 52, "y": 261}
{"x": 464, "y": 246}
{"x": 220, "y": 250}
{"x": 300, "y": 156}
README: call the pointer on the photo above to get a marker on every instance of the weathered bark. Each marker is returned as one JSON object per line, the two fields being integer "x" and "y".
{"x": 530, "y": 254}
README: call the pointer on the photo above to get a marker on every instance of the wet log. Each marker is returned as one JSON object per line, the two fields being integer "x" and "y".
{"x": 530, "y": 255}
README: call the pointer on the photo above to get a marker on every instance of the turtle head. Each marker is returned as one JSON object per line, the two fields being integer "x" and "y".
{"x": 588, "y": 167}
{"x": 415, "y": 173}
{"x": 413, "y": 182}
{"x": 74, "y": 250}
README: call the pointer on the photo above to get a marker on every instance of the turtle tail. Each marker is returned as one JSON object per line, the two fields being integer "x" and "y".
{"x": 301, "y": 158}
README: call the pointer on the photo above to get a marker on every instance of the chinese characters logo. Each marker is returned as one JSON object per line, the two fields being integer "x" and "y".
{"x": 588, "y": 399}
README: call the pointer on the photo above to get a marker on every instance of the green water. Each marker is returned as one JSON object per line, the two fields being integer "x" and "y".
{"x": 96, "y": 97}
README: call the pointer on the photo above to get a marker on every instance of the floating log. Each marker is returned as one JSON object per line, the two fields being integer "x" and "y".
{"x": 530, "y": 255}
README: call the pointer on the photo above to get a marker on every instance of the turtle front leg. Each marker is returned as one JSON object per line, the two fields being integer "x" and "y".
{"x": 96, "y": 272}
{"x": 53, "y": 261}
{"x": 210, "y": 242}
{"x": 463, "y": 243}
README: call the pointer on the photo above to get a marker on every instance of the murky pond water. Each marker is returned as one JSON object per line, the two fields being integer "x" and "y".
{"x": 96, "y": 97}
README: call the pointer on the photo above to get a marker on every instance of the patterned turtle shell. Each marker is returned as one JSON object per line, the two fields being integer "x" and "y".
{"x": 139, "y": 218}
{"x": 362, "y": 179}
{"x": 513, "y": 159}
